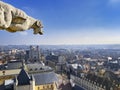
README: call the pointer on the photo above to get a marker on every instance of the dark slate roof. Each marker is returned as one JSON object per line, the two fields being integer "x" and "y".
{"x": 23, "y": 78}
{"x": 52, "y": 57}
{"x": 45, "y": 78}
{"x": 2, "y": 87}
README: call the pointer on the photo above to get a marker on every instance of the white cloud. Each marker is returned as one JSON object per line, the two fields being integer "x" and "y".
{"x": 23, "y": 33}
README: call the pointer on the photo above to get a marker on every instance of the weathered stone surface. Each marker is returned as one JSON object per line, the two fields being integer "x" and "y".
{"x": 13, "y": 20}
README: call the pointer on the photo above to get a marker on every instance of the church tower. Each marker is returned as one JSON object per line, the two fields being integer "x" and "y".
{"x": 34, "y": 54}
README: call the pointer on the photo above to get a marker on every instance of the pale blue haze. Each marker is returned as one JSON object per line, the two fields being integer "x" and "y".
{"x": 69, "y": 22}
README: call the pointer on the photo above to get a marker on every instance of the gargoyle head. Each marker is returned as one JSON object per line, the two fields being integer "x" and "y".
{"x": 38, "y": 27}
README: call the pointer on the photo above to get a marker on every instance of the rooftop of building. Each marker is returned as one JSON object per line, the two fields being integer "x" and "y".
{"x": 38, "y": 67}
{"x": 45, "y": 78}
{"x": 108, "y": 79}
{"x": 9, "y": 72}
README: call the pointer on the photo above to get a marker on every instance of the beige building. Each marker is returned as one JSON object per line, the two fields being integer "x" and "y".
{"x": 93, "y": 82}
{"x": 87, "y": 84}
{"x": 38, "y": 81}
{"x": 8, "y": 74}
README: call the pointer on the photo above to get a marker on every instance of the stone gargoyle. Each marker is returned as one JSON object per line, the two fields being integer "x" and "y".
{"x": 13, "y": 20}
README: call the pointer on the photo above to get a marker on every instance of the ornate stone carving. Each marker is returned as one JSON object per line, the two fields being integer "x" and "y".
{"x": 13, "y": 20}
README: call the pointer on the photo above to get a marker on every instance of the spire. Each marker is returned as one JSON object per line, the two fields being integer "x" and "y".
{"x": 23, "y": 78}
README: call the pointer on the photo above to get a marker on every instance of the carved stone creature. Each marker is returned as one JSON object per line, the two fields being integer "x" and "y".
{"x": 13, "y": 19}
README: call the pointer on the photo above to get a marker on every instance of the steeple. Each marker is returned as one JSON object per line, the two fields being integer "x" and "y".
{"x": 23, "y": 78}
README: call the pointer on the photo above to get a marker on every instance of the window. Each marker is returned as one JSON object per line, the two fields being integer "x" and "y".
{"x": 47, "y": 86}
{"x": 31, "y": 69}
{"x": 51, "y": 86}
{"x": 3, "y": 72}
{"x": 38, "y": 88}
{"x": 41, "y": 68}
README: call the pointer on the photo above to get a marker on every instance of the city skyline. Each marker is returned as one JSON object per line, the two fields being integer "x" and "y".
{"x": 69, "y": 22}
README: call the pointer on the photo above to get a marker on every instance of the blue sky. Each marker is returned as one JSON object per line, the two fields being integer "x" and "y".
{"x": 68, "y": 22}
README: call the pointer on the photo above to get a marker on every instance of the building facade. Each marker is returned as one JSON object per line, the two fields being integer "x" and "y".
{"x": 38, "y": 81}
{"x": 34, "y": 54}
